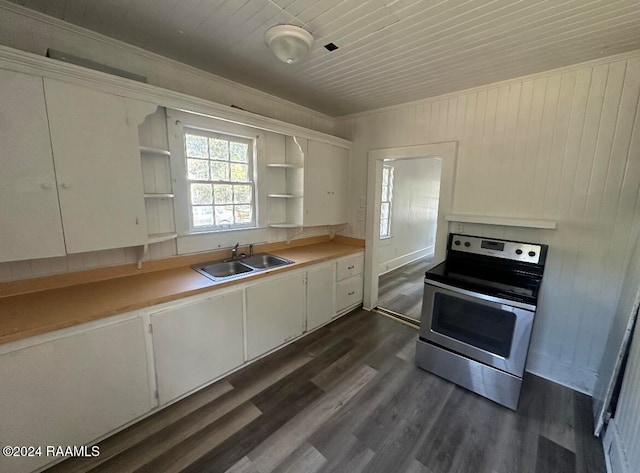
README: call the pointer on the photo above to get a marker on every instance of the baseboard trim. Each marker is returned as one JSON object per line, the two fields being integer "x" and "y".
{"x": 388, "y": 266}
{"x": 568, "y": 375}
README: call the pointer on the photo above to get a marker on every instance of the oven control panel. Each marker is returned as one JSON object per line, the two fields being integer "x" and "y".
{"x": 515, "y": 251}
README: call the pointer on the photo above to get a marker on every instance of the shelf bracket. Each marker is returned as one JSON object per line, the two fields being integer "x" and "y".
{"x": 333, "y": 229}
{"x": 142, "y": 252}
{"x": 291, "y": 236}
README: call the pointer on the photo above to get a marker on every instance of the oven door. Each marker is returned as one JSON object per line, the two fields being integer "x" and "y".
{"x": 493, "y": 331}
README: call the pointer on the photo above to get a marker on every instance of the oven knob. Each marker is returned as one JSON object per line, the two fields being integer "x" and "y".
{"x": 457, "y": 242}
{"x": 518, "y": 251}
{"x": 532, "y": 253}
{"x": 467, "y": 244}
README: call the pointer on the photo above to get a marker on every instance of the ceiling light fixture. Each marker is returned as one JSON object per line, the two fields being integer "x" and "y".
{"x": 289, "y": 43}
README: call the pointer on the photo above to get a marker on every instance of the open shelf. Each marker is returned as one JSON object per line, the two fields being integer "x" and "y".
{"x": 160, "y": 237}
{"x": 154, "y": 151}
{"x": 285, "y": 225}
{"x": 285, "y": 196}
{"x": 504, "y": 221}
{"x": 158, "y": 196}
{"x": 284, "y": 165}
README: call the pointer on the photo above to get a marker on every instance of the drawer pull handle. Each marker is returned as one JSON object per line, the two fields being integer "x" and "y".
{"x": 350, "y": 267}
{"x": 351, "y": 293}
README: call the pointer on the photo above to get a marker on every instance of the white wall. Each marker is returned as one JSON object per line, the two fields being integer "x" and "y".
{"x": 416, "y": 187}
{"x": 562, "y": 146}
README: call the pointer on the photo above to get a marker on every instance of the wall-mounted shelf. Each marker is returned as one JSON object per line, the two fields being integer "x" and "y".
{"x": 158, "y": 196}
{"x": 160, "y": 237}
{"x": 284, "y": 166}
{"x": 285, "y": 225}
{"x": 146, "y": 150}
{"x": 285, "y": 196}
{"x": 504, "y": 221}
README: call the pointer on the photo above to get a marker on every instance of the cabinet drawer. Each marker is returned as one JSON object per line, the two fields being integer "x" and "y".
{"x": 349, "y": 267}
{"x": 348, "y": 293}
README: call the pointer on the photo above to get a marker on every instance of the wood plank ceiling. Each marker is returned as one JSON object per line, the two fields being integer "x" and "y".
{"x": 390, "y": 51}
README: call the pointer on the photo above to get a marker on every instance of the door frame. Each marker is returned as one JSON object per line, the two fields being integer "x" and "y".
{"x": 446, "y": 151}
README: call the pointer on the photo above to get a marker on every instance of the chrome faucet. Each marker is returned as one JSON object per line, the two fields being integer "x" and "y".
{"x": 234, "y": 251}
{"x": 251, "y": 249}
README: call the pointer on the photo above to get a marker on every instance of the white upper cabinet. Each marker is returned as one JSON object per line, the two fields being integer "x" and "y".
{"x": 30, "y": 216}
{"x": 97, "y": 164}
{"x": 325, "y": 184}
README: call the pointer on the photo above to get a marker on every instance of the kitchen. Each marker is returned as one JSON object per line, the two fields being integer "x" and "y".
{"x": 549, "y": 137}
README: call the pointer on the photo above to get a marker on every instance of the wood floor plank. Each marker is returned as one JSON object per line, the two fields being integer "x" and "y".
{"x": 352, "y": 457}
{"x": 589, "y": 451}
{"x": 294, "y": 433}
{"x": 174, "y": 460}
{"x": 554, "y": 458}
{"x": 304, "y": 459}
{"x": 401, "y": 290}
{"x": 244, "y": 465}
{"x": 138, "y": 432}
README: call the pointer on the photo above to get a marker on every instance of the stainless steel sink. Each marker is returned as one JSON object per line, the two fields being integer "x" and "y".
{"x": 223, "y": 270}
{"x": 265, "y": 261}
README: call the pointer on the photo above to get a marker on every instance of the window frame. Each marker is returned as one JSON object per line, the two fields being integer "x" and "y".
{"x": 251, "y": 172}
{"x": 388, "y": 200}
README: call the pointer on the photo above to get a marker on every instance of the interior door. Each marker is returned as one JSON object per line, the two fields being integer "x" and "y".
{"x": 619, "y": 335}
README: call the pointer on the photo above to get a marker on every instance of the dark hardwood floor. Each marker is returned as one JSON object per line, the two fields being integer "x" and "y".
{"x": 348, "y": 398}
{"x": 400, "y": 290}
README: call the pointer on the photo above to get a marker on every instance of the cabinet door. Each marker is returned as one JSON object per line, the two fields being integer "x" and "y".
{"x": 196, "y": 343}
{"x": 72, "y": 390}
{"x": 30, "y": 216}
{"x": 275, "y": 313}
{"x": 326, "y": 180}
{"x": 320, "y": 297}
{"x": 97, "y": 167}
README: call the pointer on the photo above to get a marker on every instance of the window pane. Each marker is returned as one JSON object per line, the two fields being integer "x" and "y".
{"x": 224, "y": 214}
{"x": 239, "y": 172}
{"x": 223, "y": 193}
{"x": 201, "y": 194}
{"x": 384, "y": 210}
{"x": 241, "y": 194}
{"x": 219, "y": 149}
{"x": 384, "y": 228}
{"x": 202, "y": 216}
{"x": 243, "y": 213}
{"x": 239, "y": 152}
{"x": 385, "y": 193}
{"x": 219, "y": 171}
{"x": 198, "y": 169}
{"x": 196, "y": 146}
{"x": 385, "y": 176}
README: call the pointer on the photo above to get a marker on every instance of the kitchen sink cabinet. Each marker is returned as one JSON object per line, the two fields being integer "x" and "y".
{"x": 72, "y": 390}
{"x": 275, "y": 312}
{"x": 196, "y": 343}
{"x": 320, "y": 295}
{"x": 30, "y": 217}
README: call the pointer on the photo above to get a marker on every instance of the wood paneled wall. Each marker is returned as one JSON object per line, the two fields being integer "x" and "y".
{"x": 564, "y": 146}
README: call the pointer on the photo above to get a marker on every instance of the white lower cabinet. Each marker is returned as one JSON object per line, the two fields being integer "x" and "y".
{"x": 196, "y": 343}
{"x": 275, "y": 313}
{"x": 348, "y": 293}
{"x": 72, "y": 390}
{"x": 320, "y": 295}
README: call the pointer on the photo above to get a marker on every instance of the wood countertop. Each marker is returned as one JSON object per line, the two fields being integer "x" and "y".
{"x": 34, "y": 313}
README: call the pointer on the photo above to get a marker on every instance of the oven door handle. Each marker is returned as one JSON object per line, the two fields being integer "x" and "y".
{"x": 497, "y": 300}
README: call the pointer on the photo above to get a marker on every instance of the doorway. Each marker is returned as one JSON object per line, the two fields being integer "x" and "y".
{"x": 446, "y": 153}
{"x": 410, "y": 191}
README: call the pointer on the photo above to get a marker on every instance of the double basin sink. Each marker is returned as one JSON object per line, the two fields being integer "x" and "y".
{"x": 227, "y": 269}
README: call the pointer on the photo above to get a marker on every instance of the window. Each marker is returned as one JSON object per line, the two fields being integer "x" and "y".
{"x": 219, "y": 180}
{"x": 387, "y": 196}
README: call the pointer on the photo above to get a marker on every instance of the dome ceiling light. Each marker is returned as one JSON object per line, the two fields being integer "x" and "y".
{"x": 289, "y": 43}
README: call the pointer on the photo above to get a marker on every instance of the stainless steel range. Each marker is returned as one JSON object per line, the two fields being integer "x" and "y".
{"x": 477, "y": 314}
